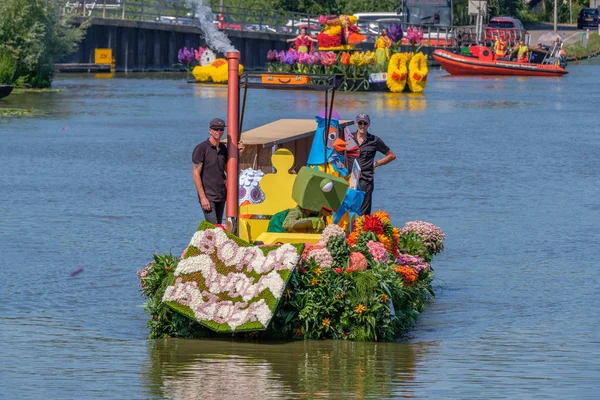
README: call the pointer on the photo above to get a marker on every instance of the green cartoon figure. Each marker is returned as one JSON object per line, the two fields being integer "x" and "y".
{"x": 317, "y": 195}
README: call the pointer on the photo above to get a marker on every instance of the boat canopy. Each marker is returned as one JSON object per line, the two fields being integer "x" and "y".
{"x": 283, "y": 131}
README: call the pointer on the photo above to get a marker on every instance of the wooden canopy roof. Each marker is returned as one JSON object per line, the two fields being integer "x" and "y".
{"x": 282, "y": 131}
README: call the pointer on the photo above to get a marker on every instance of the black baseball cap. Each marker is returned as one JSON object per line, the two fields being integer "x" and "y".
{"x": 217, "y": 123}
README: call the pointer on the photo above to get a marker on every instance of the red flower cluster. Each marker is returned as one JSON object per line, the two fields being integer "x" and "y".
{"x": 325, "y": 40}
{"x": 373, "y": 224}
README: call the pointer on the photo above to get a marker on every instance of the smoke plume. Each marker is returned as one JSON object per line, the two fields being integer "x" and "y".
{"x": 215, "y": 39}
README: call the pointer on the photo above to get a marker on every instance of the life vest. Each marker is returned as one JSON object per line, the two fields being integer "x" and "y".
{"x": 500, "y": 47}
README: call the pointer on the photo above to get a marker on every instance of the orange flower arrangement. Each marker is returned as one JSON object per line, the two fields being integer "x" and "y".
{"x": 385, "y": 241}
{"x": 408, "y": 274}
{"x": 382, "y": 216}
{"x": 345, "y": 59}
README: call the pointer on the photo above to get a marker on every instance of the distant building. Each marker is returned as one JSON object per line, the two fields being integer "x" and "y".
{"x": 594, "y": 3}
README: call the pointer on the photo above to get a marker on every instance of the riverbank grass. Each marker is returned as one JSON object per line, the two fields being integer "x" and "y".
{"x": 577, "y": 51}
{"x": 18, "y": 112}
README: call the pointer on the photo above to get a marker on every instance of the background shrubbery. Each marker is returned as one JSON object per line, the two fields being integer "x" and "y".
{"x": 33, "y": 36}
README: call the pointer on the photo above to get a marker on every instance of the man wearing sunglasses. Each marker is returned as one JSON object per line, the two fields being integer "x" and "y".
{"x": 208, "y": 171}
{"x": 368, "y": 146}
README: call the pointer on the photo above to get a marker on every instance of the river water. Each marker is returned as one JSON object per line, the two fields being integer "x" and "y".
{"x": 507, "y": 167}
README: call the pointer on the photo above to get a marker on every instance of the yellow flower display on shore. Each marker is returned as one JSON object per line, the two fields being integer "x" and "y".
{"x": 217, "y": 71}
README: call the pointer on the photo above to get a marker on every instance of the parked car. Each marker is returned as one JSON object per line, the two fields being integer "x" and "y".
{"x": 226, "y": 21}
{"x": 588, "y": 17}
{"x": 508, "y": 28}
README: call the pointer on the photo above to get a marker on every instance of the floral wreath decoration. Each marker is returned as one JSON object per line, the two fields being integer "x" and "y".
{"x": 227, "y": 284}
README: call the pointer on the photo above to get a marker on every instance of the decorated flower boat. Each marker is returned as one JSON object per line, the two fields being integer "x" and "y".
{"x": 296, "y": 260}
{"x": 384, "y": 69}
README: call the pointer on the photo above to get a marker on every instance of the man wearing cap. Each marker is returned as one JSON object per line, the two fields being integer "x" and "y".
{"x": 208, "y": 171}
{"x": 368, "y": 146}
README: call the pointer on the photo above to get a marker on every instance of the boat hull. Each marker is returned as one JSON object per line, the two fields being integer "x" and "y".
{"x": 456, "y": 64}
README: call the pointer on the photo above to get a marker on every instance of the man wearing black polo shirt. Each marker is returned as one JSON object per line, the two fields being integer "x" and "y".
{"x": 368, "y": 146}
{"x": 208, "y": 170}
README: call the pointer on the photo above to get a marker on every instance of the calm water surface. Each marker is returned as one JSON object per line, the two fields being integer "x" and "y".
{"x": 508, "y": 167}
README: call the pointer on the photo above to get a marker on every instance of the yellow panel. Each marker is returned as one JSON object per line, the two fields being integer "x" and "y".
{"x": 102, "y": 56}
{"x": 278, "y": 237}
{"x": 250, "y": 229}
{"x": 277, "y": 187}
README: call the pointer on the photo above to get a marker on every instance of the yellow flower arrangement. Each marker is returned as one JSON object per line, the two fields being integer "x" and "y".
{"x": 217, "y": 71}
{"x": 333, "y": 30}
{"x": 357, "y": 59}
{"x": 353, "y": 20}
{"x": 417, "y": 73}
{"x": 397, "y": 72}
{"x": 370, "y": 57}
{"x": 202, "y": 73}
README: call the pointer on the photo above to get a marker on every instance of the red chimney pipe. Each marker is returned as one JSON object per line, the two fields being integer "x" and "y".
{"x": 233, "y": 166}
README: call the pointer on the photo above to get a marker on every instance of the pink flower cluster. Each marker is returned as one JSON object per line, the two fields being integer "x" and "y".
{"x": 330, "y": 231}
{"x": 432, "y": 236}
{"x": 415, "y": 262}
{"x": 358, "y": 262}
{"x": 378, "y": 251}
{"x": 321, "y": 257}
{"x": 142, "y": 273}
{"x": 414, "y": 36}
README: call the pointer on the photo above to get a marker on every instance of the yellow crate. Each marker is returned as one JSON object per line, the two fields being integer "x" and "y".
{"x": 102, "y": 56}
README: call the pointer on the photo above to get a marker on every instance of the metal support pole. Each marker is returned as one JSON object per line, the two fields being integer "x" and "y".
{"x": 555, "y": 16}
{"x": 233, "y": 166}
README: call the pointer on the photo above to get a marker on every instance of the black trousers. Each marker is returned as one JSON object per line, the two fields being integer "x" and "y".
{"x": 215, "y": 215}
{"x": 366, "y": 187}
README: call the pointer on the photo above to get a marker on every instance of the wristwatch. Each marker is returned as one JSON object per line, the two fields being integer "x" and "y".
{"x": 377, "y": 163}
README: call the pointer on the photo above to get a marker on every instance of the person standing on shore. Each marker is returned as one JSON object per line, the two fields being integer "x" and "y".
{"x": 368, "y": 146}
{"x": 208, "y": 171}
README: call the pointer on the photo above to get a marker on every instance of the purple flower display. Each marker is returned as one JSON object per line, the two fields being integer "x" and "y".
{"x": 303, "y": 58}
{"x": 395, "y": 33}
{"x": 289, "y": 58}
{"x": 315, "y": 58}
{"x": 186, "y": 56}
{"x": 272, "y": 56}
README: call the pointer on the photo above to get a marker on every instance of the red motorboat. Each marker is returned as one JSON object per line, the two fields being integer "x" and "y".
{"x": 482, "y": 62}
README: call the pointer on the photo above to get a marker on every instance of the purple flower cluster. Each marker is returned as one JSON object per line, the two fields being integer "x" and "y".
{"x": 415, "y": 262}
{"x": 272, "y": 56}
{"x": 432, "y": 236}
{"x": 395, "y": 33}
{"x": 186, "y": 56}
{"x": 289, "y": 58}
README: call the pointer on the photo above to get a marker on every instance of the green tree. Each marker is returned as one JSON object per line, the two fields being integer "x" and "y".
{"x": 34, "y": 35}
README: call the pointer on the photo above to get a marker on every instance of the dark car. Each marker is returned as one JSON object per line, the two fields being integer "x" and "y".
{"x": 588, "y": 17}
{"x": 508, "y": 28}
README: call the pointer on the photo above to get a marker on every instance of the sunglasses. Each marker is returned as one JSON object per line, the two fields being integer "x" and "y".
{"x": 218, "y": 129}
{"x": 362, "y": 123}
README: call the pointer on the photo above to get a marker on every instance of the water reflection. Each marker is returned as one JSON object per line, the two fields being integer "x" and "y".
{"x": 198, "y": 369}
{"x": 210, "y": 91}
